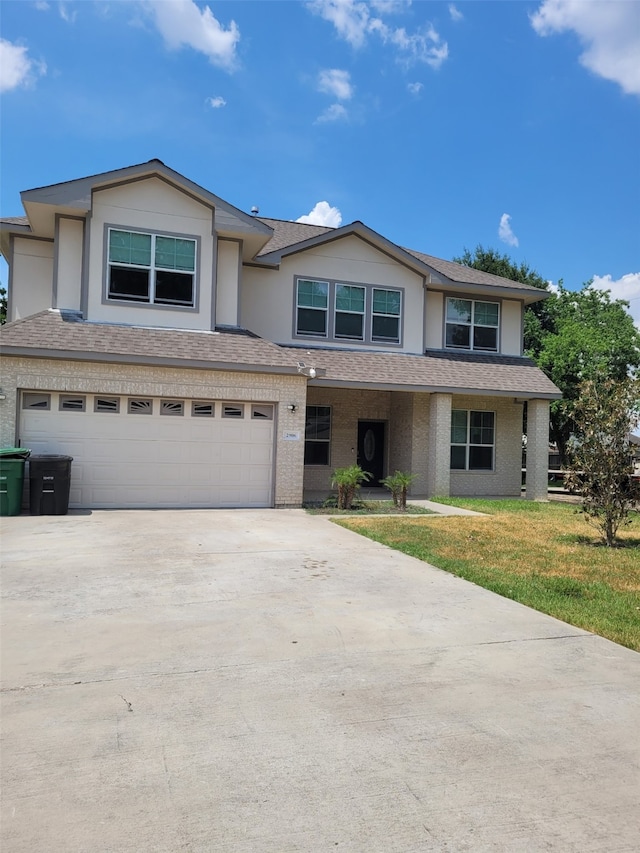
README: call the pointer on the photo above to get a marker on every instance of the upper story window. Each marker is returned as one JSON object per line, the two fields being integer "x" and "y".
{"x": 347, "y": 312}
{"x": 472, "y": 325}
{"x": 151, "y": 268}
{"x": 312, "y": 305}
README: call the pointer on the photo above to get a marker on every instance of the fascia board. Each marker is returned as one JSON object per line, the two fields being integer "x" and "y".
{"x": 357, "y": 229}
{"x": 77, "y": 193}
{"x": 434, "y": 389}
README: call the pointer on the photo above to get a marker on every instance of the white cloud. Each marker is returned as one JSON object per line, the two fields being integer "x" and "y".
{"x": 504, "y": 231}
{"x": 323, "y": 214}
{"x": 456, "y": 14}
{"x": 66, "y": 14}
{"x": 336, "y": 82}
{"x": 216, "y": 103}
{"x": 627, "y": 287}
{"x": 355, "y": 23}
{"x": 16, "y": 68}
{"x": 42, "y": 5}
{"x": 336, "y": 112}
{"x": 609, "y": 31}
{"x": 182, "y": 23}
{"x": 415, "y": 88}
{"x": 349, "y": 17}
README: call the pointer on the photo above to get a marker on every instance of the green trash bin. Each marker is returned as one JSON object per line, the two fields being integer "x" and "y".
{"x": 12, "y": 461}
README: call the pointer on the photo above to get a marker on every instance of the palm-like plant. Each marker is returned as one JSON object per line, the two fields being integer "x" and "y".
{"x": 348, "y": 480}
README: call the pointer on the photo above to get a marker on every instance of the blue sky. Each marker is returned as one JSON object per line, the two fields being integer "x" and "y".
{"x": 515, "y": 125}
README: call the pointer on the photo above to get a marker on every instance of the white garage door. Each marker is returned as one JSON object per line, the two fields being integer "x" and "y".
{"x": 153, "y": 452}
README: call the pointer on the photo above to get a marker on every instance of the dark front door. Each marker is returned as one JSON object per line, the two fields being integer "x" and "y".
{"x": 371, "y": 449}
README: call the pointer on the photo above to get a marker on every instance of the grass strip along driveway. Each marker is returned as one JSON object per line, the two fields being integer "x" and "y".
{"x": 543, "y": 555}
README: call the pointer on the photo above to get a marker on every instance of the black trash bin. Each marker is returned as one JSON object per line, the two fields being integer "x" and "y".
{"x": 49, "y": 482}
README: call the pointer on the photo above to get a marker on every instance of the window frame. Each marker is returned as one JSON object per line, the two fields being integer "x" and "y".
{"x": 468, "y": 445}
{"x": 325, "y": 442}
{"x": 472, "y": 325}
{"x": 331, "y": 312}
{"x": 152, "y": 269}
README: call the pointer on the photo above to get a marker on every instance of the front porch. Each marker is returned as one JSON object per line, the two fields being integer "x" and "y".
{"x": 411, "y": 431}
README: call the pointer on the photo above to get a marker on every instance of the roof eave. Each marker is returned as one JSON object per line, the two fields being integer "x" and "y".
{"x": 133, "y": 358}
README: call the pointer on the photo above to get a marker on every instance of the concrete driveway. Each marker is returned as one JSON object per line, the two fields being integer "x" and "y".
{"x": 266, "y": 682}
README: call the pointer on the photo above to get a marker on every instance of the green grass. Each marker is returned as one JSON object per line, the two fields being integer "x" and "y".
{"x": 543, "y": 555}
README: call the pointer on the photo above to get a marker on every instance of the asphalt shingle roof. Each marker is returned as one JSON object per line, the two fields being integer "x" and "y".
{"x": 434, "y": 371}
{"x": 56, "y": 334}
{"x": 65, "y": 333}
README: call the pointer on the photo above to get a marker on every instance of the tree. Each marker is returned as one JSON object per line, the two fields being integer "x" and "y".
{"x": 588, "y": 336}
{"x": 604, "y": 414}
{"x": 3, "y": 305}
{"x": 572, "y": 336}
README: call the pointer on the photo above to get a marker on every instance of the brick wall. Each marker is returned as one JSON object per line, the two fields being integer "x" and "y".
{"x": 93, "y": 377}
{"x": 506, "y": 477}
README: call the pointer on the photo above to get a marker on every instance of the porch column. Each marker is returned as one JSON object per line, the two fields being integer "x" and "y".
{"x": 439, "y": 476}
{"x": 537, "y": 450}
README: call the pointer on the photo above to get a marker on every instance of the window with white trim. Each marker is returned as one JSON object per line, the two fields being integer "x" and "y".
{"x": 151, "y": 268}
{"x": 340, "y": 311}
{"x": 472, "y": 325}
{"x": 317, "y": 435}
{"x": 472, "y": 440}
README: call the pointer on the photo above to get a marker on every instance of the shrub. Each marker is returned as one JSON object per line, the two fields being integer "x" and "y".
{"x": 398, "y": 483}
{"x": 348, "y": 481}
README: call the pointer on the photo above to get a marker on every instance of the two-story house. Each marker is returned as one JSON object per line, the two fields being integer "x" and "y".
{"x": 188, "y": 354}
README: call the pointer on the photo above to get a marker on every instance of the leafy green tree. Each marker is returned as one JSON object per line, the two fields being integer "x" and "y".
{"x": 3, "y": 305}
{"x": 589, "y": 336}
{"x": 604, "y": 413}
{"x": 572, "y": 336}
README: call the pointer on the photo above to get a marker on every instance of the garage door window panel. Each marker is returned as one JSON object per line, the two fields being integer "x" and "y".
{"x": 262, "y": 413}
{"x": 139, "y": 406}
{"x": 202, "y": 410}
{"x": 106, "y": 404}
{"x": 36, "y": 401}
{"x": 151, "y": 268}
{"x": 172, "y": 407}
{"x": 231, "y": 411}
{"x": 71, "y": 403}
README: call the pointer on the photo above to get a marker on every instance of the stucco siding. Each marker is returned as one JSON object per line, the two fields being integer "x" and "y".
{"x": 89, "y": 377}
{"x": 227, "y": 285}
{"x": 31, "y": 277}
{"x": 268, "y": 296}
{"x": 154, "y": 206}
{"x": 68, "y": 275}
{"x": 434, "y": 319}
{"x": 511, "y": 338}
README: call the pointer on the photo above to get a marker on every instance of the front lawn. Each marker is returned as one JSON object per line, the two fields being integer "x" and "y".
{"x": 543, "y": 555}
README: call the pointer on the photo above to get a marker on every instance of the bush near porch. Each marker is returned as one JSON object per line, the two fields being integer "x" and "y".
{"x": 543, "y": 555}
